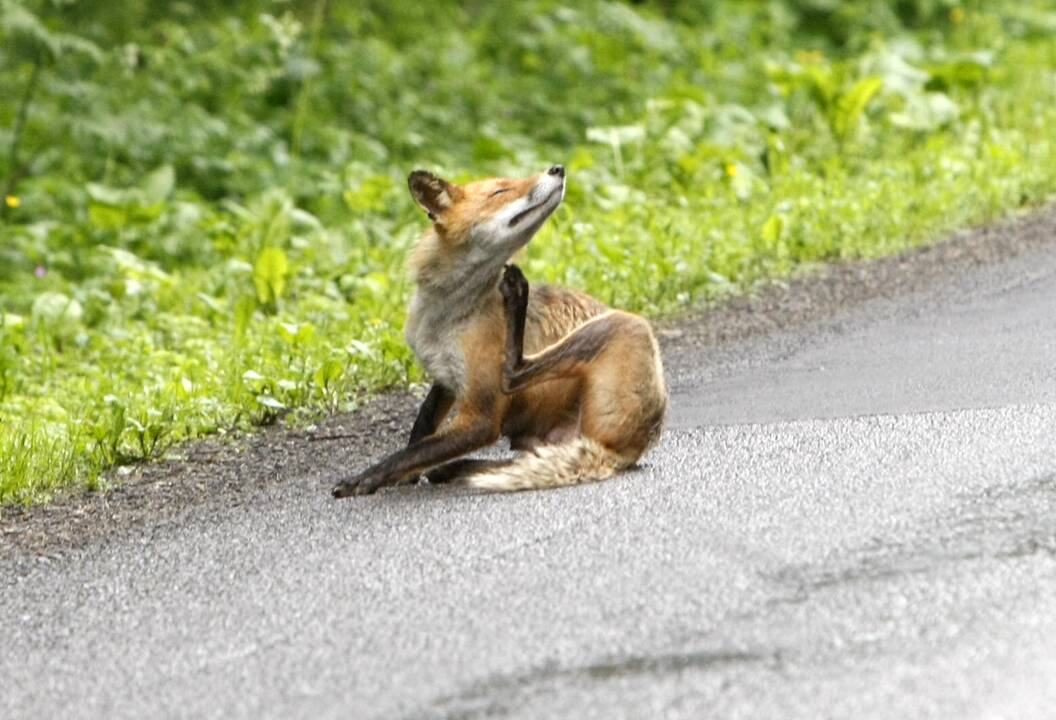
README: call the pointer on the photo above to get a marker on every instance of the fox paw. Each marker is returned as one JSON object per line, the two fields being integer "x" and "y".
{"x": 348, "y": 488}
{"x": 514, "y": 285}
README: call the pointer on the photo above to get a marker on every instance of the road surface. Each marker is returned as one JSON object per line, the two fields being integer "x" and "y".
{"x": 854, "y": 517}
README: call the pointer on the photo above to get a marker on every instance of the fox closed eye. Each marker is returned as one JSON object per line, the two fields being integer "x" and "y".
{"x": 500, "y": 191}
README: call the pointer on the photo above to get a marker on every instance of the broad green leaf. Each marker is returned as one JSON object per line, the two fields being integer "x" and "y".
{"x": 329, "y": 372}
{"x": 269, "y": 402}
{"x": 158, "y": 185}
{"x": 377, "y": 284}
{"x": 131, "y": 265}
{"x": 898, "y": 75}
{"x": 114, "y": 208}
{"x": 612, "y": 251}
{"x": 269, "y": 275}
{"x": 371, "y": 195}
{"x": 304, "y": 220}
{"x": 772, "y": 229}
{"x": 214, "y": 304}
{"x": 926, "y": 112}
{"x": 852, "y": 105}
{"x": 358, "y": 347}
{"x": 616, "y": 135}
{"x": 27, "y": 31}
{"x": 12, "y": 321}
{"x": 297, "y": 333}
{"x": 59, "y": 313}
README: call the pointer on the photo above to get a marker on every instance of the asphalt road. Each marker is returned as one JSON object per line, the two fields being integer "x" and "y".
{"x": 852, "y": 518}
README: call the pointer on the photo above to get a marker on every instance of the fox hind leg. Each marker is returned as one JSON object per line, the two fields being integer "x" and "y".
{"x": 624, "y": 399}
{"x": 518, "y": 372}
{"x": 566, "y": 358}
{"x": 514, "y": 290}
{"x": 458, "y": 469}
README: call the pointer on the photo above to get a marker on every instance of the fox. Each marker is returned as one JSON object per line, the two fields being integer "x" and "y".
{"x": 575, "y": 386}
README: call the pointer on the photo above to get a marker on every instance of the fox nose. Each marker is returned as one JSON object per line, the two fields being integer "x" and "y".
{"x": 558, "y": 170}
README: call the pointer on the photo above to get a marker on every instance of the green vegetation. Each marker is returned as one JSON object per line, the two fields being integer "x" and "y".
{"x": 205, "y": 219}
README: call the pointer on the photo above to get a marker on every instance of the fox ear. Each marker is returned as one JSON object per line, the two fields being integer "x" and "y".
{"x": 432, "y": 193}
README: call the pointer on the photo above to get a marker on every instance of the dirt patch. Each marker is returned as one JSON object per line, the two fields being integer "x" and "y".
{"x": 212, "y": 471}
{"x": 225, "y": 473}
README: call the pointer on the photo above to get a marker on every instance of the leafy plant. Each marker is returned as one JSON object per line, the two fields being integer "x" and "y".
{"x": 269, "y": 276}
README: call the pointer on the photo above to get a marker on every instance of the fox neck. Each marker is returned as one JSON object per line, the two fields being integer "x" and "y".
{"x": 458, "y": 282}
{"x": 450, "y": 293}
{"x": 452, "y": 303}
{"x": 435, "y": 324}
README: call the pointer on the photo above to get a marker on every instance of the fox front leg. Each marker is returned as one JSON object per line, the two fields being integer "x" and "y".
{"x": 432, "y": 412}
{"x": 434, "y": 409}
{"x": 466, "y": 434}
{"x": 436, "y": 406}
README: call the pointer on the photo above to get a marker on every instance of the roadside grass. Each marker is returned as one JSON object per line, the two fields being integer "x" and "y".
{"x": 216, "y": 239}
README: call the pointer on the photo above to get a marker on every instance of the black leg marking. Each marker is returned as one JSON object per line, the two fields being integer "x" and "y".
{"x": 514, "y": 289}
{"x": 435, "y": 406}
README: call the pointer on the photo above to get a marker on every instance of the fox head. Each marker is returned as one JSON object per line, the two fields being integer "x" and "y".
{"x": 478, "y": 226}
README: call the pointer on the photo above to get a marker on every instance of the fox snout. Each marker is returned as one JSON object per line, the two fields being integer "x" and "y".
{"x": 540, "y": 201}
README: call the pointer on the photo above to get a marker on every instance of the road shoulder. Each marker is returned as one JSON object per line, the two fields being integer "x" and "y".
{"x": 212, "y": 476}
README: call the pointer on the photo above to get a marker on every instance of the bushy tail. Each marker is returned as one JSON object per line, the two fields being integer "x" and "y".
{"x": 579, "y": 461}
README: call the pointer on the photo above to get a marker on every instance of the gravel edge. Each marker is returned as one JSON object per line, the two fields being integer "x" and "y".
{"x": 213, "y": 475}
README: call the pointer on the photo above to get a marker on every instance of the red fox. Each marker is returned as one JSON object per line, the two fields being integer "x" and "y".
{"x": 577, "y": 386}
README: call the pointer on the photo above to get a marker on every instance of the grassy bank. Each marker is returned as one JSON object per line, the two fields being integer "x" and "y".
{"x": 205, "y": 217}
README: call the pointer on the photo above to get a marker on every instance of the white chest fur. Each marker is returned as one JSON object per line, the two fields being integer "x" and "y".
{"x": 433, "y": 330}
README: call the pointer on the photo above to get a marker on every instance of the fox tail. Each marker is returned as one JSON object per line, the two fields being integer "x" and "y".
{"x": 550, "y": 466}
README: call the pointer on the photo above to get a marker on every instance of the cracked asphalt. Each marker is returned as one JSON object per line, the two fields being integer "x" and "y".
{"x": 849, "y": 515}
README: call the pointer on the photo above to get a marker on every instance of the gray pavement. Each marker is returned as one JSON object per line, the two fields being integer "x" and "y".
{"x": 856, "y": 518}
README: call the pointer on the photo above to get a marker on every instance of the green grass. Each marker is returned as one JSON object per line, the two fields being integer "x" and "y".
{"x": 212, "y": 219}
